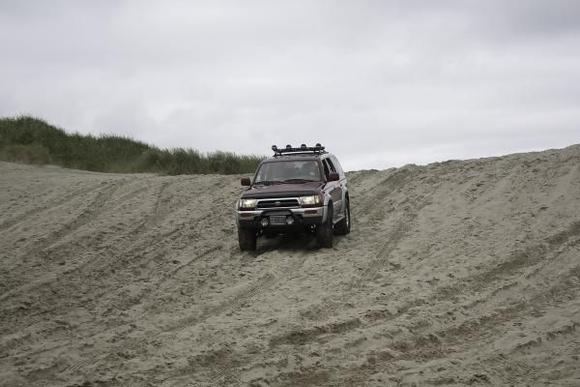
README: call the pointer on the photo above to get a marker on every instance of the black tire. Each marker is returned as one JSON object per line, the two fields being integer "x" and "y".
{"x": 343, "y": 227}
{"x": 324, "y": 234}
{"x": 247, "y": 239}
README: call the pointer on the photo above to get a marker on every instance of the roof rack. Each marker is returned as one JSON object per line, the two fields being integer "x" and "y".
{"x": 303, "y": 149}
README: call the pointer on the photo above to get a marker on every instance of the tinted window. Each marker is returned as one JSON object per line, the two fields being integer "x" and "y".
{"x": 337, "y": 165}
{"x": 326, "y": 167}
{"x": 331, "y": 165}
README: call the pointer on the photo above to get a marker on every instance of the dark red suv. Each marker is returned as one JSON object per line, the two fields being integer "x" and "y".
{"x": 297, "y": 189}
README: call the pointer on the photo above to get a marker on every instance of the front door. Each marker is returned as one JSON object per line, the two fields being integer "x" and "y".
{"x": 334, "y": 187}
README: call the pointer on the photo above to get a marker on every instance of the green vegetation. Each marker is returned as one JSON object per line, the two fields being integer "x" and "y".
{"x": 33, "y": 141}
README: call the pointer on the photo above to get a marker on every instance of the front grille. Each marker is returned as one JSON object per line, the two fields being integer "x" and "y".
{"x": 278, "y": 203}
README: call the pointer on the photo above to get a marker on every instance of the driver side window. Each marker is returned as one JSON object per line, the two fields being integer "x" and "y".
{"x": 331, "y": 165}
{"x": 328, "y": 167}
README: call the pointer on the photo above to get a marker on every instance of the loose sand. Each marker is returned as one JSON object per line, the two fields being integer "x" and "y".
{"x": 456, "y": 273}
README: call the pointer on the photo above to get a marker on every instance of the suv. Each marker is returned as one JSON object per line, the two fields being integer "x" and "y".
{"x": 297, "y": 189}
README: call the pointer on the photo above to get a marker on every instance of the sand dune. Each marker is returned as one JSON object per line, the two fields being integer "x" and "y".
{"x": 456, "y": 273}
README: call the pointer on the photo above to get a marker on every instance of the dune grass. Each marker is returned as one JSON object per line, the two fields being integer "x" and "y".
{"x": 31, "y": 140}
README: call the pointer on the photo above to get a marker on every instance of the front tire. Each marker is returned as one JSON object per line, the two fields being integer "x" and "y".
{"x": 247, "y": 238}
{"x": 324, "y": 235}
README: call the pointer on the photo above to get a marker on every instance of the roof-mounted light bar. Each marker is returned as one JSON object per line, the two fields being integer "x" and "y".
{"x": 317, "y": 149}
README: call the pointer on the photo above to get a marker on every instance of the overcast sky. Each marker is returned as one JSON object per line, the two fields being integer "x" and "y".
{"x": 380, "y": 83}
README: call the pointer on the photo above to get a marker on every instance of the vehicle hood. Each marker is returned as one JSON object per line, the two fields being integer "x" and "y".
{"x": 283, "y": 190}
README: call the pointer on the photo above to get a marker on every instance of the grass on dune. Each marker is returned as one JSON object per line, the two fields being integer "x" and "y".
{"x": 31, "y": 140}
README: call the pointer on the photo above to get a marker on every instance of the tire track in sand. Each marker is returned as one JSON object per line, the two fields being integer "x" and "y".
{"x": 235, "y": 301}
{"x": 91, "y": 211}
{"x": 51, "y": 204}
{"x": 95, "y": 207}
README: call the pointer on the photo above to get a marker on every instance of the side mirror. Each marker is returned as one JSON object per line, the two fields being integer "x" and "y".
{"x": 245, "y": 181}
{"x": 333, "y": 176}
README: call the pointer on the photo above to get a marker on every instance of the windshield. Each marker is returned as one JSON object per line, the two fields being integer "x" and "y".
{"x": 288, "y": 172}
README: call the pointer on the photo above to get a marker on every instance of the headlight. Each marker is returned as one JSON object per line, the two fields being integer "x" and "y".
{"x": 310, "y": 201}
{"x": 247, "y": 203}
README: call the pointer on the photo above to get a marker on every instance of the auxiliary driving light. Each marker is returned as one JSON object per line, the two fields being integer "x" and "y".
{"x": 265, "y": 222}
{"x": 289, "y": 220}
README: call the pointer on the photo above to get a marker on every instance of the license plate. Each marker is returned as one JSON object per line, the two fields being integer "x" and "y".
{"x": 277, "y": 220}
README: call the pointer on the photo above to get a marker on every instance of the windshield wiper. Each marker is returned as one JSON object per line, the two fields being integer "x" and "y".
{"x": 298, "y": 181}
{"x": 267, "y": 182}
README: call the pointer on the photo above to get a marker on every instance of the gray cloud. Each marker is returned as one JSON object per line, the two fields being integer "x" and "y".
{"x": 408, "y": 81}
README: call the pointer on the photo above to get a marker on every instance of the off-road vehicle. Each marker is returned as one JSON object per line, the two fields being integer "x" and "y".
{"x": 297, "y": 189}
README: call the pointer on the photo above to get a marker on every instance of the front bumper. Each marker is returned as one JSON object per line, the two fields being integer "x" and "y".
{"x": 300, "y": 217}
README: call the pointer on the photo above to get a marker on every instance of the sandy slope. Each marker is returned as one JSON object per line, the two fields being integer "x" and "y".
{"x": 455, "y": 273}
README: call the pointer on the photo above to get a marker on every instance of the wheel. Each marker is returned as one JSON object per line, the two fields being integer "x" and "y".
{"x": 343, "y": 227}
{"x": 324, "y": 235}
{"x": 247, "y": 239}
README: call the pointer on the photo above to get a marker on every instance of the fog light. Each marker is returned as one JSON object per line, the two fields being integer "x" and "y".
{"x": 289, "y": 220}
{"x": 264, "y": 222}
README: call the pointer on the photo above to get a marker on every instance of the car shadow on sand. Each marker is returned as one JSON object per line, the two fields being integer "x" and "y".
{"x": 290, "y": 242}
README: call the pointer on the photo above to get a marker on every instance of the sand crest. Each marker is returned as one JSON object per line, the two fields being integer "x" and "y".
{"x": 456, "y": 273}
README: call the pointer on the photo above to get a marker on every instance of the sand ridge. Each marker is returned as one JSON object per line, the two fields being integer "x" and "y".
{"x": 456, "y": 273}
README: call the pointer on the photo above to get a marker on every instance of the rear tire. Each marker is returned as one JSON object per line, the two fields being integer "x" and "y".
{"x": 247, "y": 239}
{"x": 343, "y": 227}
{"x": 324, "y": 235}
